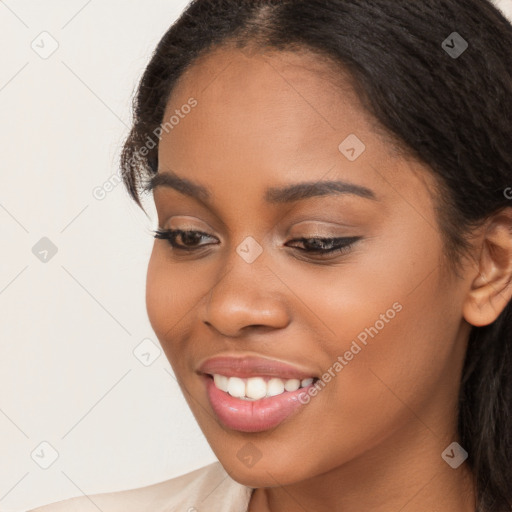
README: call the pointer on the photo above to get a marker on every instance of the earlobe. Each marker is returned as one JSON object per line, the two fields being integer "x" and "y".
{"x": 491, "y": 289}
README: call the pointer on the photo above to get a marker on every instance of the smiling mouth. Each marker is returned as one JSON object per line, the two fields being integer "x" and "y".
{"x": 256, "y": 388}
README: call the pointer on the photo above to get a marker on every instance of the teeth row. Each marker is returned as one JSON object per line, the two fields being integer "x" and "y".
{"x": 256, "y": 387}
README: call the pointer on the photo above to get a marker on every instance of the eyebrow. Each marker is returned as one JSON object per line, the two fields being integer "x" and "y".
{"x": 284, "y": 194}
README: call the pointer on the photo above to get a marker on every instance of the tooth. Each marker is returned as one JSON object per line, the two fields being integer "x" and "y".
{"x": 256, "y": 388}
{"x": 221, "y": 382}
{"x": 292, "y": 384}
{"x": 275, "y": 387}
{"x": 236, "y": 387}
{"x": 306, "y": 382}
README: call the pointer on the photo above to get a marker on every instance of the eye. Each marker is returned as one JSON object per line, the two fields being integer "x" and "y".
{"x": 188, "y": 237}
{"x": 327, "y": 246}
{"x": 319, "y": 246}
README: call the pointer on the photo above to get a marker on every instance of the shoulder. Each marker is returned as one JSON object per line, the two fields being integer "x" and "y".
{"x": 203, "y": 489}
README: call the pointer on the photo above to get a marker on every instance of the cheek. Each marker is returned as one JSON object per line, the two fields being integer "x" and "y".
{"x": 159, "y": 299}
{"x": 168, "y": 297}
{"x": 174, "y": 292}
{"x": 395, "y": 328}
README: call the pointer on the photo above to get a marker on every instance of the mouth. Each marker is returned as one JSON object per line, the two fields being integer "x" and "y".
{"x": 256, "y": 388}
{"x": 255, "y": 404}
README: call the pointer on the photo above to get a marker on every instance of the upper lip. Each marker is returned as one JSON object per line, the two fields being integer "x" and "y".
{"x": 252, "y": 366}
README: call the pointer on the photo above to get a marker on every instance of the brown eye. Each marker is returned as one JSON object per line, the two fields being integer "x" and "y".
{"x": 327, "y": 245}
{"x": 190, "y": 239}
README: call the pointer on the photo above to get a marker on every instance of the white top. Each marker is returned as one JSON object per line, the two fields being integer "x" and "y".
{"x": 209, "y": 488}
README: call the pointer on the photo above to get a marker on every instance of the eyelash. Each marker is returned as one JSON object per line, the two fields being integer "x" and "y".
{"x": 344, "y": 243}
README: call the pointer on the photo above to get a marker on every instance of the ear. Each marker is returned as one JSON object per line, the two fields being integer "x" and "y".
{"x": 491, "y": 290}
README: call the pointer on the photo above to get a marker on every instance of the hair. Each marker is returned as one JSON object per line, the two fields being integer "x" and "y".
{"x": 451, "y": 113}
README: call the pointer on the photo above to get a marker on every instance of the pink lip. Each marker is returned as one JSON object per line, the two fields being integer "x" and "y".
{"x": 252, "y": 416}
{"x": 252, "y": 366}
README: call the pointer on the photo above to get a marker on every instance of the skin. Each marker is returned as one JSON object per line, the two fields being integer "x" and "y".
{"x": 372, "y": 438}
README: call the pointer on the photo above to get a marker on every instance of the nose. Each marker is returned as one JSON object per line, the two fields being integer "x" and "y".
{"x": 248, "y": 296}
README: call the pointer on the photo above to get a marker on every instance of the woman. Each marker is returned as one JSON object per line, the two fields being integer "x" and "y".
{"x": 330, "y": 278}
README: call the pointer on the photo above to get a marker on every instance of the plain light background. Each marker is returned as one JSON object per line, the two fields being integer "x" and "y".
{"x": 79, "y": 393}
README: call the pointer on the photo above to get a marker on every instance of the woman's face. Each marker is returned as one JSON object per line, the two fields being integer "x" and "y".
{"x": 378, "y": 324}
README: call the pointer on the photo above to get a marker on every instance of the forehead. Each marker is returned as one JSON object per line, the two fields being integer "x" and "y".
{"x": 268, "y": 119}
{"x": 273, "y": 91}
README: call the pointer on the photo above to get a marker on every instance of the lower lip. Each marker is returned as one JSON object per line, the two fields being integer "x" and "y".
{"x": 249, "y": 415}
